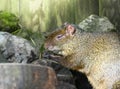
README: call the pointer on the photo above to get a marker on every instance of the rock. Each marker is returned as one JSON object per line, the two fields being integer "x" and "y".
{"x": 64, "y": 76}
{"x": 96, "y": 23}
{"x": 16, "y": 49}
{"x": 64, "y": 85}
{"x": 26, "y": 76}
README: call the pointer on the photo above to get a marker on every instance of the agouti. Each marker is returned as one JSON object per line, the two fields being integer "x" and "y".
{"x": 97, "y": 54}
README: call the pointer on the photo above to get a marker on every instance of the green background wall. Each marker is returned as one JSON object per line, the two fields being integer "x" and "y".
{"x": 46, "y": 15}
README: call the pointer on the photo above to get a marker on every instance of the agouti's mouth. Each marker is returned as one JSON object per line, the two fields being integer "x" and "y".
{"x": 52, "y": 54}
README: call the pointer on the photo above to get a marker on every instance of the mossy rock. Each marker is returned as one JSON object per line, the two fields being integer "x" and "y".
{"x": 8, "y": 22}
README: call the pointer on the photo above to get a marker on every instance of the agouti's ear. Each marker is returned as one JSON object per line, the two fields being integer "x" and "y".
{"x": 70, "y": 30}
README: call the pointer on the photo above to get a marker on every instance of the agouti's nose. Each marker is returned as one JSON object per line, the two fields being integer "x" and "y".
{"x": 48, "y": 46}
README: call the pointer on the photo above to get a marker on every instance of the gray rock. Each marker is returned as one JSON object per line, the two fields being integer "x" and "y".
{"x": 96, "y": 23}
{"x": 64, "y": 76}
{"x": 26, "y": 76}
{"x": 64, "y": 85}
{"x": 16, "y": 49}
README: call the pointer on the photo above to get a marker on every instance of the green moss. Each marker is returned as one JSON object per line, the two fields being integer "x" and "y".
{"x": 8, "y": 22}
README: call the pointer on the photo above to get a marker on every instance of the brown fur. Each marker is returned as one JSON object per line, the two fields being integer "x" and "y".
{"x": 95, "y": 54}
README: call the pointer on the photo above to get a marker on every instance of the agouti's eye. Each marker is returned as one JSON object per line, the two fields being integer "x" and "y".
{"x": 59, "y": 36}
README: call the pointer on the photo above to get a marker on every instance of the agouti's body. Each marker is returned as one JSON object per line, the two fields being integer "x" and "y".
{"x": 95, "y": 54}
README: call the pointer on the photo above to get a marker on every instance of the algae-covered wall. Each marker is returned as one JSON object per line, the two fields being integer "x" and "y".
{"x": 48, "y": 14}
{"x": 110, "y": 9}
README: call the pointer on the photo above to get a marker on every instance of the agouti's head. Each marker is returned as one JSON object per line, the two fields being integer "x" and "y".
{"x": 58, "y": 40}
